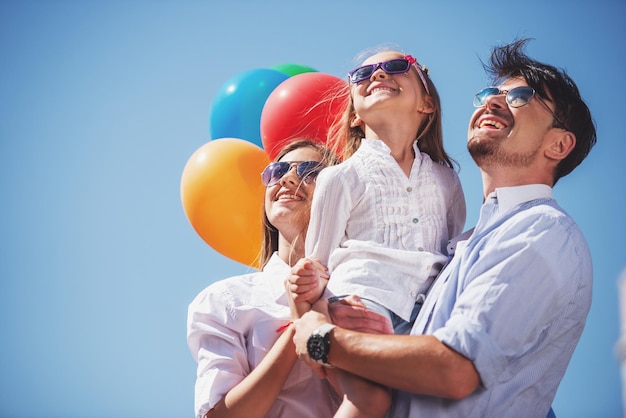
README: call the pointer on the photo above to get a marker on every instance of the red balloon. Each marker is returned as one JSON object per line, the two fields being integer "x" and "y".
{"x": 302, "y": 107}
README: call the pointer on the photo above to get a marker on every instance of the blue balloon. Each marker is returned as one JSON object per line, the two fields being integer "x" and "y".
{"x": 237, "y": 107}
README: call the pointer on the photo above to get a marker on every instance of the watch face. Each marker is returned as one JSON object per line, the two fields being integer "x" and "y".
{"x": 315, "y": 347}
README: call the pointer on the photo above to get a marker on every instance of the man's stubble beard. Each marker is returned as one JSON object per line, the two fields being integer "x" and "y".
{"x": 490, "y": 152}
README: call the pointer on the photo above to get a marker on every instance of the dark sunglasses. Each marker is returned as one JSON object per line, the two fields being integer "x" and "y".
{"x": 394, "y": 66}
{"x": 306, "y": 170}
{"x": 516, "y": 97}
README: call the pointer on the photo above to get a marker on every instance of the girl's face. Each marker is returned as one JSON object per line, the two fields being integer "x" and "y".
{"x": 288, "y": 202}
{"x": 398, "y": 92}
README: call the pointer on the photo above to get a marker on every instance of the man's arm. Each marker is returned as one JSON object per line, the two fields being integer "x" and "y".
{"x": 419, "y": 364}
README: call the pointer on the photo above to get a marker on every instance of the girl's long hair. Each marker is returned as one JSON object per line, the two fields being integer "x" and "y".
{"x": 345, "y": 139}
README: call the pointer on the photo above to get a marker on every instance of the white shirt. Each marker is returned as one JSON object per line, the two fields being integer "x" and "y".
{"x": 231, "y": 326}
{"x": 383, "y": 235}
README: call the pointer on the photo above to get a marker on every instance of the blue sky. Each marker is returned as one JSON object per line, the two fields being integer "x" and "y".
{"x": 103, "y": 103}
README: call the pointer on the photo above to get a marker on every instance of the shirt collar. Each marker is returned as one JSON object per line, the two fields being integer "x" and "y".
{"x": 380, "y": 146}
{"x": 509, "y": 197}
{"x": 276, "y": 270}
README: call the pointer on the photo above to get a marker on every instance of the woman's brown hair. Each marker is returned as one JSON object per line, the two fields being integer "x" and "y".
{"x": 270, "y": 233}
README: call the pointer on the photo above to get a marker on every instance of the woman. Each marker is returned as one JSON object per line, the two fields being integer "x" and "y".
{"x": 239, "y": 329}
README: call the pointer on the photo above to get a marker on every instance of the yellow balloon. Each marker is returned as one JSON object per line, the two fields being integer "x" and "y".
{"x": 222, "y": 195}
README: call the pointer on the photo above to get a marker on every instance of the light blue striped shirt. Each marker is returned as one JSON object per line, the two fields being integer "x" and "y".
{"x": 514, "y": 300}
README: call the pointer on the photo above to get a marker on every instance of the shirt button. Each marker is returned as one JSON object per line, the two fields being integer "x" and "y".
{"x": 413, "y": 294}
{"x": 409, "y": 189}
{"x": 420, "y": 249}
{"x": 415, "y": 220}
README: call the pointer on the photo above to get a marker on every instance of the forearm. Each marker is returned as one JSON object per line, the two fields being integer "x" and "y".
{"x": 417, "y": 364}
{"x": 255, "y": 394}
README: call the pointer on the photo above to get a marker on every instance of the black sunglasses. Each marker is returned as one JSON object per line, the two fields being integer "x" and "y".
{"x": 516, "y": 97}
{"x": 306, "y": 170}
{"x": 394, "y": 66}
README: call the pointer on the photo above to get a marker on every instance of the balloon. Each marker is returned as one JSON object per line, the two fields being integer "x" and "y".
{"x": 303, "y": 106}
{"x": 237, "y": 106}
{"x": 223, "y": 197}
{"x": 293, "y": 69}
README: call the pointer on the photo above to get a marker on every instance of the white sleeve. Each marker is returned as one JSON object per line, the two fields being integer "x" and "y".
{"x": 217, "y": 345}
{"x": 330, "y": 212}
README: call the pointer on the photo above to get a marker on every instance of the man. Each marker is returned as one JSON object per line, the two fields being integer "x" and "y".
{"x": 498, "y": 328}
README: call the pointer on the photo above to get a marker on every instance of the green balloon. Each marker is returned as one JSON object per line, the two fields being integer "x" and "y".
{"x": 293, "y": 69}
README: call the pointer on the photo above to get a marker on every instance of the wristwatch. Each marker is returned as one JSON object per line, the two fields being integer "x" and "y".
{"x": 318, "y": 344}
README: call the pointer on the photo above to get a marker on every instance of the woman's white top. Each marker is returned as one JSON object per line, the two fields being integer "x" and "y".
{"x": 231, "y": 326}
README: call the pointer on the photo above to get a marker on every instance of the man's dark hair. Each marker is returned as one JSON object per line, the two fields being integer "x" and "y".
{"x": 551, "y": 84}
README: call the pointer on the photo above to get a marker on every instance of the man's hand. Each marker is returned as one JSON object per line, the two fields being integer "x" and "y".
{"x": 304, "y": 327}
{"x": 351, "y": 313}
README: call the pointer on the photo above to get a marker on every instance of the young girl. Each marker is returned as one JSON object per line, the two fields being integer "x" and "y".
{"x": 381, "y": 220}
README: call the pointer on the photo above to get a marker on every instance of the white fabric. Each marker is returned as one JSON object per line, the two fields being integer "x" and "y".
{"x": 230, "y": 328}
{"x": 383, "y": 235}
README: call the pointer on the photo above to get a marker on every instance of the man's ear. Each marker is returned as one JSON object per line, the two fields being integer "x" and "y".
{"x": 561, "y": 144}
{"x": 428, "y": 105}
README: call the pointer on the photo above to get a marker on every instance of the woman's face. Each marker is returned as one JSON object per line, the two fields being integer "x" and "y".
{"x": 288, "y": 202}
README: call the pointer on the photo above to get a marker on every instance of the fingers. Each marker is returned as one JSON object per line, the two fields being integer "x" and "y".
{"x": 306, "y": 280}
{"x": 302, "y": 292}
{"x": 310, "y": 267}
{"x": 353, "y": 300}
{"x": 322, "y": 270}
{"x": 351, "y": 314}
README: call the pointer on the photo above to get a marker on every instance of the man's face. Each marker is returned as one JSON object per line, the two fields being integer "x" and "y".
{"x": 501, "y": 135}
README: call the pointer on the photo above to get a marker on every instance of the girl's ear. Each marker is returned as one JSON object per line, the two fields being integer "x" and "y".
{"x": 356, "y": 122}
{"x": 428, "y": 105}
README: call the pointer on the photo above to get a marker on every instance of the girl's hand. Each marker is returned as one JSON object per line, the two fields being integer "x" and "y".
{"x": 304, "y": 285}
{"x": 307, "y": 280}
{"x": 351, "y": 313}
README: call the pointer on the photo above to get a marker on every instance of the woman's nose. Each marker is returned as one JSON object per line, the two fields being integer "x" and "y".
{"x": 290, "y": 177}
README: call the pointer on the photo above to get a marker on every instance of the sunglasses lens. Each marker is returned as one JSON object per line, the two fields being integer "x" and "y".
{"x": 361, "y": 73}
{"x": 308, "y": 170}
{"x": 274, "y": 172}
{"x": 481, "y": 96}
{"x": 519, "y": 96}
{"x": 396, "y": 66}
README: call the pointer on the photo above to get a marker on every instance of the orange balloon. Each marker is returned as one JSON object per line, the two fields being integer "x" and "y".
{"x": 223, "y": 197}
